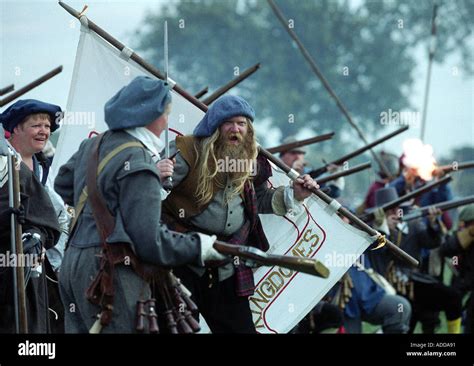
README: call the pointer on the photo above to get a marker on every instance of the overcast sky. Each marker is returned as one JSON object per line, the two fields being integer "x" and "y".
{"x": 37, "y": 36}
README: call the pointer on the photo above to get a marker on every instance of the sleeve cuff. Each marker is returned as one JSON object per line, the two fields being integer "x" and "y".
{"x": 164, "y": 193}
{"x": 284, "y": 202}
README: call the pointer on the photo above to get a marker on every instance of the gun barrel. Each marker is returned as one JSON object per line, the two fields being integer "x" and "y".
{"x": 223, "y": 89}
{"x": 344, "y": 173}
{"x": 293, "y": 145}
{"x": 201, "y": 92}
{"x": 443, "y": 206}
{"x": 455, "y": 166}
{"x": 7, "y": 89}
{"x": 30, "y": 86}
{"x": 359, "y": 151}
{"x": 409, "y": 196}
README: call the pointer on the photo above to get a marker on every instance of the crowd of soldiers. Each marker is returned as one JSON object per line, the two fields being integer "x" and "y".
{"x": 123, "y": 237}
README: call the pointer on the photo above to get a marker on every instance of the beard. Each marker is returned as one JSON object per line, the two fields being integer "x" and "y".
{"x": 243, "y": 151}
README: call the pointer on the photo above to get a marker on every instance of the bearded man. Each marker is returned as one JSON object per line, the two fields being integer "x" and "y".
{"x": 219, "y": 187}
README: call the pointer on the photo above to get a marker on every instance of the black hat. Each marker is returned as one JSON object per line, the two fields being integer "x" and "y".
{"x": 385, "y": 195}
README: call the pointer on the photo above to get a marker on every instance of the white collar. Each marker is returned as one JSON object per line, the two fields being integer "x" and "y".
{"x": 149, "y": 139}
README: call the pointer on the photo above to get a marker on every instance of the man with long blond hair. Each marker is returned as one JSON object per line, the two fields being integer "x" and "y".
{"x": 220, "y": 187}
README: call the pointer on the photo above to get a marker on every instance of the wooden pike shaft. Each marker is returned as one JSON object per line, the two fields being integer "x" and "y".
{"x": 428, "y": 76}
{"x": 342, "y": 210}
{"x": 321, "y": 77}
{"x": 135, "y": 57}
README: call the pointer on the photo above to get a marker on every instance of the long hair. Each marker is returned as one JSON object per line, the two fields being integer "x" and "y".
{"x": 213, "y": 148}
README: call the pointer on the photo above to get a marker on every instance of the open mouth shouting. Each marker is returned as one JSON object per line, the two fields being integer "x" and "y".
{"x": 235, "y": 139}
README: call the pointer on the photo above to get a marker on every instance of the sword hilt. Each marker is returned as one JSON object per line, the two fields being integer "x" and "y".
{"x": 168, "y": 184}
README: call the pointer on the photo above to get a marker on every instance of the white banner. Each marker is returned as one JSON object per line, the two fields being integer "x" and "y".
{"x": 99, "y": 73}
{"x": 282, "y": 297}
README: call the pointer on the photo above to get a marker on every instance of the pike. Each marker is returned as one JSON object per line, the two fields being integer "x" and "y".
{"x": 317, "y": 172}
{"x": 292, "y": 174}
{"x": 7, "y": 89}
{"x": 431, "y": 53}
{"x": 381, "y": 240}
{"x": 314, "y": 67}
{"x": 201, "y": 92}
{"x": 299, "y": 264}
{"x": 455, "y": 166}
{"x": 30, "y": 86}
{"x": 345, "y": 172}
{"x": 223, "y": 89}
{"x": 293, "y": 145}
{"x": 16, "y": 244}
{"x": 443, "y": 206}
{"x": 133, "y": 56}
{"x": 413, "y": 194}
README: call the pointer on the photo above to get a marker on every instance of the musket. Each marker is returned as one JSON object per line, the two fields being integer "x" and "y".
{"x": 317, "y": 172}
{"x": 455, "y": 166}
{"x": 7, "y": 89}
{"x": 201, "y": 92}
{"x": 134, "y": 56}
{"x": 16, "y": 244}
{"x": 30, "y": 86}
{"x": 428, "y": 76}
{"x": 443, "y": 206}
{"x": 223, "y": 89}
{"x": 299, "y": 264}
{"x": 381, "y": 240}
{"x": 413, "y": 194}
{"x": 314, "y": 67}
{"x": 293, "y": 145}
{"x": 345, "y": 172}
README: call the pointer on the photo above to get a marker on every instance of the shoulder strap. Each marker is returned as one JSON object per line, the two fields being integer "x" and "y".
{"x": 83, "y": 197}
{"x": 103, "y": 218}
